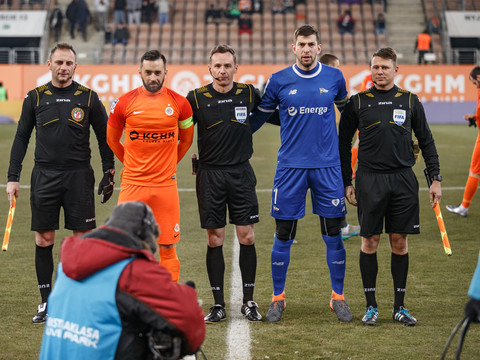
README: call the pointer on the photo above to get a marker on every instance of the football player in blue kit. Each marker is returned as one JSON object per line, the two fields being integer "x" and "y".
{"x": 308, "y": 158}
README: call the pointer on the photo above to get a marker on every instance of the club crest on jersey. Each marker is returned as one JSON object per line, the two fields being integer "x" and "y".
{"x": 241, "y": 113}
{"x": 169, "y": 111}
{"x": 78, "y": 114}
{"x": 399, "y": 116}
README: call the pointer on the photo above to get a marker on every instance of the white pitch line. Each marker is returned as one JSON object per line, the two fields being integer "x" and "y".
{"x": 263, "y": 190}
{"x": 238, "y": 332}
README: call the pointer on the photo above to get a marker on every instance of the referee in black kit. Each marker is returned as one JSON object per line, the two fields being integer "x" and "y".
{"x": 225, "y": 177}
{"x": 386, "y": 187}
{"x": 61, "y": 112}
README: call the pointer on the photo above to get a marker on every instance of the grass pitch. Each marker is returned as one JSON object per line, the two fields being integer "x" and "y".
{"x": 436, "y": 288}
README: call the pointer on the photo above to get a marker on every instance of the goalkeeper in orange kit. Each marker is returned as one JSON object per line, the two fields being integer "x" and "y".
{"x": 474, "y": 173}
{"x": 158, "y": 132}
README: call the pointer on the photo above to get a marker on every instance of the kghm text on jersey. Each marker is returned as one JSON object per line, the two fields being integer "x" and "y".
{"x": 135, "y": 135}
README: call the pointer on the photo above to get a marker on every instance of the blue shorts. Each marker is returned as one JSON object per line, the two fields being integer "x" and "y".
{"x": 290, "y": 187}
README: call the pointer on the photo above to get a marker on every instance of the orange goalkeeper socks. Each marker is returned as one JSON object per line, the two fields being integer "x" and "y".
{"x": 336, "y": 296}
{"x": 278, "y": 297}
{"x": 470, "y": 189}
{"x": 169, "y": 259}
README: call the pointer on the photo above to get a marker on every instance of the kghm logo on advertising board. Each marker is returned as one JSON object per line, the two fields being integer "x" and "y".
{"x": 78, "y": 114}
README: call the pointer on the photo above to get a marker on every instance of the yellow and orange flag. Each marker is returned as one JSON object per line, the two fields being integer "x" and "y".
{"x": 8, "y": 228}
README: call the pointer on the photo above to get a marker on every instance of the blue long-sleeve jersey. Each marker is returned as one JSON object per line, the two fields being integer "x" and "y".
{"x": 305, "y": 100}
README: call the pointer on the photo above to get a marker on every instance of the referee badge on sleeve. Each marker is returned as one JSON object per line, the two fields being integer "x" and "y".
{"x": 399, "y": 116}
{"x": 241, "y": 113}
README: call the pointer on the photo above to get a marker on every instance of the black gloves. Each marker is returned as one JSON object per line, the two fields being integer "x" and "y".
{"x": 106, "y": 186}
{"x": 472, "y": 122}
{"x": 472, "y": 310}
{"x": 191, "y": 284}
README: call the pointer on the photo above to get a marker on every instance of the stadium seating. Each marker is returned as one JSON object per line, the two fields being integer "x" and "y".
{"x": 187, "y": 39}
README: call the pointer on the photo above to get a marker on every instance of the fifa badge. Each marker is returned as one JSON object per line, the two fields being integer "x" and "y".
{"x": 399, "y": 116}
{"x": 241, "y": 113}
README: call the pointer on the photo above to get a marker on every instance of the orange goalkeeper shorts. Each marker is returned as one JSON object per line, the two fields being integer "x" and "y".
{"x": 165, "y": 205}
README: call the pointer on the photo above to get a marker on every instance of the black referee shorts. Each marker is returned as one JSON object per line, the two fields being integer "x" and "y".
{"x": 392, "y": 197}
{"x": 52, "y": 189}
{"x": 232, "y": 187}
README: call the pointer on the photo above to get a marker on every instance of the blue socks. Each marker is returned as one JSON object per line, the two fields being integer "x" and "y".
{"x": 336, "y": 256}
{"x": 280, "y": 261}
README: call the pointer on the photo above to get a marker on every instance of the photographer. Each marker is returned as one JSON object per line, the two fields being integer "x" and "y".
{"x": 113, "y": 300}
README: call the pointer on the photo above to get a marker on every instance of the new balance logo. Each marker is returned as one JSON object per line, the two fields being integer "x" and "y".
{"x": 292, "y": 92}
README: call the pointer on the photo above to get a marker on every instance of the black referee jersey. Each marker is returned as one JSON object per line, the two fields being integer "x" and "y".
{"x": 223, "y": 123}
{"x": 385, "y": 120}
{"x": 62, "y": 118}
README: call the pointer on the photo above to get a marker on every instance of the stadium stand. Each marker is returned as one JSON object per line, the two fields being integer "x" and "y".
{"x": 187, "y": 38}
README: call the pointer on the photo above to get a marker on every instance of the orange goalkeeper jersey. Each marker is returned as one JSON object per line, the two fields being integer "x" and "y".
{"x": 152, "y": 122}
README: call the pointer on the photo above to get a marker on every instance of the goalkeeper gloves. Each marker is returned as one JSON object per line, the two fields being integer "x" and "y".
{"x": 105, "y": 188}
{"x": 472, "y": 122}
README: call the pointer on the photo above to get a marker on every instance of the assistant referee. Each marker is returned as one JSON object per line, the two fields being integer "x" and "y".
{"x": 386, "y": 188}
{"x": 61, "y": 112}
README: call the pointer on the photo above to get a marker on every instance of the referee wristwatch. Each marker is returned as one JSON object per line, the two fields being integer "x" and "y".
{"x": 437, "y": 177}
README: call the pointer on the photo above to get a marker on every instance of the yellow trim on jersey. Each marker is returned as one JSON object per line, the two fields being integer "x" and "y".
{"x": 196, "y": 101}
{"x": 49, "y": 122}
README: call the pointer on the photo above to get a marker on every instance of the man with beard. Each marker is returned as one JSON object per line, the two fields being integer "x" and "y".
{"x": 158, "y": 132}
{"x": 61, "y": 111}
{"x": 308, "y": 158}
